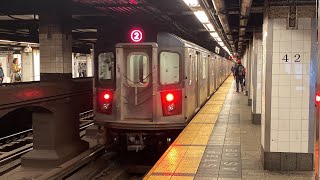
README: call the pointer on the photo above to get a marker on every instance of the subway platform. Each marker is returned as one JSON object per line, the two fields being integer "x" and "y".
{"x": 219, "y": 143}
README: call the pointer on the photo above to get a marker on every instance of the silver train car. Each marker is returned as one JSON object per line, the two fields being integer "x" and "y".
{"x": 153, "y": 88}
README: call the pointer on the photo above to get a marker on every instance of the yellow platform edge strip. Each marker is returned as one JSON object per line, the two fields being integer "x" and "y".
{"x": 185, "y": 153}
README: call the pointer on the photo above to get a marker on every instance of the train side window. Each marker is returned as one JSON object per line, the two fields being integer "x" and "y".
{"x": 106, "y": 63}
{"x": 204, "y": 68}
{"x": 169, "y": 68}
{"x": 138, "y": 69}
{"x": 190, "y": 69}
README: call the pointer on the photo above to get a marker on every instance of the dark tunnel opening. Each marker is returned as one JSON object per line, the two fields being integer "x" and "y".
{"x": 15, "y": 121}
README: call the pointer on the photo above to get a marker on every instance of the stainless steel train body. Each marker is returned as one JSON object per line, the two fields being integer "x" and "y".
{"x": 159, "y": 86}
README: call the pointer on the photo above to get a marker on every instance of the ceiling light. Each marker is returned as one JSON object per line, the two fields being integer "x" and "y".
{"x": 210, "y": 27}
{"x": 214, "y": 34}
{"x": 191, "y": 3}
{"x": 201, "y": 15}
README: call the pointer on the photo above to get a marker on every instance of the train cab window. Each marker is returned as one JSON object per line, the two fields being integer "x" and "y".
{"x": 106, "y": 61}
{"x": 169, "y": 68}
{"x": 138, "y": 69}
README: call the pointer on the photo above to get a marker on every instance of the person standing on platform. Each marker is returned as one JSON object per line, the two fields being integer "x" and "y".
{"x": 15, "y": 71}
{"x": 239, "y": 74}
{"x": 1, "y": 74}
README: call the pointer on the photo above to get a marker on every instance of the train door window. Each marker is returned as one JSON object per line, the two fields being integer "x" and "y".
{"x": 204, "y": 67}
{"x": 106, "y": 61}
{"x": 196, "y": 66}
{"x": 190, "y": 69}
{"x": 138, "y": 69}
{"x": 169, "y": 68}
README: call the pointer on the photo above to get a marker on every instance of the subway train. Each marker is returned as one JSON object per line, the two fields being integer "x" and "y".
{"x": 149, "y": 91}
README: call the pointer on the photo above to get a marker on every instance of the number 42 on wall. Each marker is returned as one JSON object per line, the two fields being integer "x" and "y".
{"x": 296, "y": 56}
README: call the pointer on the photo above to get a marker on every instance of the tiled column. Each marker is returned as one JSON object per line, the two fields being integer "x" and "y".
{"x": 256, "y": 77}
{"x": 27, "y": 67}
{"x": 287, "y": 96}
{"x": 249, "y": 74}
{"x": 55, "y": 42}
{"x": 56, "y": 131}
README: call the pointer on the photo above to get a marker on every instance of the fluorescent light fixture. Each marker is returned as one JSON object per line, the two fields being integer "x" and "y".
{"x": 214, "y": 34}
{"x": 191, "y": 3}
{"x": 201, "y": 15}
{"x": 218, "y": 39}
{"x": 210, "y": 27}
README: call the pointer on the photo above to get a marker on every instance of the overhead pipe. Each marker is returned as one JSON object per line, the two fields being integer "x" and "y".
{"x": 220, "y": 8}
{"x": 215, "y": 22}
{"x": 244, "y": 15}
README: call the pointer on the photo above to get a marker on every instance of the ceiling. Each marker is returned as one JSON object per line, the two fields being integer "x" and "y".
{"x": 19, "y": 19}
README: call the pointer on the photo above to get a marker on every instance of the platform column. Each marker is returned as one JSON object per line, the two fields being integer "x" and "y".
{"x": 256, "y": 77}
{"x": 287, "y": 119}
{"x": 249, "y": 74}
{"x": 56, "y": 133}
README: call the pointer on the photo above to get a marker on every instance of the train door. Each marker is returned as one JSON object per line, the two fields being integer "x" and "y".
{"x": 208, "y": 74}
{"x": 136, "y": 83}
{"x": 197, "y": 80}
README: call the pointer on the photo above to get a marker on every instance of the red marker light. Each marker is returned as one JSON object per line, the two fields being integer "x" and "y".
{"x": 169, "y": 97}
{"x": 317, "y": 98}
{"x": 106, "y": 96}
{"x": 136, "y": 35}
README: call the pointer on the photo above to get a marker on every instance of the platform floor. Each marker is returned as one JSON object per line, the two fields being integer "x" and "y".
{"x": 219, "y": 143}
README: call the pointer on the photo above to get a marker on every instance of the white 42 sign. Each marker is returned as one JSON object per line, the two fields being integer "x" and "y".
{"x": 296, "y": 58}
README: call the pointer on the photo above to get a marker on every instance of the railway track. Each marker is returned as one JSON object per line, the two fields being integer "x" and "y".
{"x": 12, "y": 147}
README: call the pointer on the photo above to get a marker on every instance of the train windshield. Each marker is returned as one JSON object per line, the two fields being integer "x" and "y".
{"x": 106, "y": 63}
{"x": 169, "y": 68}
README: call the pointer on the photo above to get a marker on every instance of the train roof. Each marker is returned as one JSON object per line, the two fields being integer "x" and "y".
{"x": 165, "y": 39}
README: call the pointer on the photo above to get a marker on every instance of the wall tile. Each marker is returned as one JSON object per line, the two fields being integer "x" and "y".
{"x": 276, "y": 47}
{"x": 295, "y": 125}
{"x": 304, "y": 147}
{"x": 295, "y": 114}
{"x": 283, "y": 135}
{"x": 283, "y": 146}
{"x": 295, "y": 146}
{"x": 284, "y": 80}
{"x": 285, "y": 46}
{"x": 275, "y": 58}
{"x": 275, "y": 68}
{"x": 275, "y": 93}
{"x": 275, "y": 80}
{"x": 307, "y": 35}
{"x": 295, "y": 103}
{"x": 297, "y": 46}
{"x": 274, "y": 146}
{"x": 285, "y": 35}
{"x": 296, "y": 68}
{"x": 296, "y": 91}
{"x": 304, "y": 135}
{"x": 284, "y": 104}
{"x": 296, "y": 80}
{"x": 305, "y": 114}
{"x": 274, "y": 124}
{"x": 274, "y": 113}
{"x": 285, "y": 68}
{"x": 276, "y": 35}
{"x": 284, "y": 91}
{"x": 306, "y": 58}
{"x": 305, "y": 125}
{"x": 284, "y": 125}
{"x": 306, "y": 46}
{"x": 297, "y": 35}
{"x": 306, "y": 69}
{"x": 295, "y": 135}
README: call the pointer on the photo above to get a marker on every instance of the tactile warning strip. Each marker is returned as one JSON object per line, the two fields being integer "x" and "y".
{"x": 182, "y": 158}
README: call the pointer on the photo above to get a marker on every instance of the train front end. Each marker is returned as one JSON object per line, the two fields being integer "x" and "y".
{"x": 143, "y": 103}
